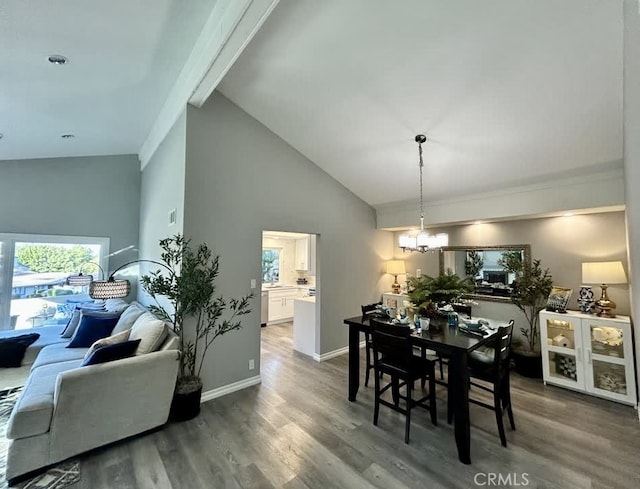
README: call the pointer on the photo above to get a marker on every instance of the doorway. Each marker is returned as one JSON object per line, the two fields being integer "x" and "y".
{"x": 289, "y": 289}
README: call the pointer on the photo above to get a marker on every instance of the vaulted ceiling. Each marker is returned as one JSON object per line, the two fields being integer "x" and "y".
{"x": 508, "y": 92}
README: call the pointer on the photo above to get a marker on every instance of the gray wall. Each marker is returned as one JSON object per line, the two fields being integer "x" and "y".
{"x": 162, "y": 189}
{"x": 81, "y": 196}
{"x": 632, "y": 148}
{"x": 561, "y": 243}
{"x": 242, "y": 179}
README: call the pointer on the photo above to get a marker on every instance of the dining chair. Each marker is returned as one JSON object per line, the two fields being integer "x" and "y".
{"x": 492, "y": 366}
{"x": 393, "y": 355}
{"x": 367, "y": 308}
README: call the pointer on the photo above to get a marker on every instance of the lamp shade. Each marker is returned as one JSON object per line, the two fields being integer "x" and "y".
{"x": 603, "y": 272}
{"x": 396, "y": 267}
{"x": 109, "y": 289}
{"x": 79, "y": 279}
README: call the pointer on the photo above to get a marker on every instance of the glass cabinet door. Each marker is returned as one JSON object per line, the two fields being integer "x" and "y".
{"x": 608, "y": 357}
{"x": 563, "y": 358}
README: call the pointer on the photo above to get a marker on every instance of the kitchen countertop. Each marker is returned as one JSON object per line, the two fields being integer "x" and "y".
{"x": 311, "y": 299}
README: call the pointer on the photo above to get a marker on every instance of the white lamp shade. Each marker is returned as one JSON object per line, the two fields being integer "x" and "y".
{"x": 396, "y": 267}
{"x": 603, "y": 272}
{"x": 423, "y": 240}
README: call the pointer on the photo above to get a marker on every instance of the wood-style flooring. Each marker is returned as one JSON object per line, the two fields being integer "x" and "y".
{"x": 297, "y": 430}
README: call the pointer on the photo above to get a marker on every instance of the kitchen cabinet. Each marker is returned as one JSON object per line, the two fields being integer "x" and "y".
{"x": 304, "y": 326}
{"x": 589, "y": 354}
{"x": 302, "y": 254}
{"x": 281, "y": 304}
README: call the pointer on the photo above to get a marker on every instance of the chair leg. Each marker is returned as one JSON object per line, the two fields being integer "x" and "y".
{"x": 441, "y": 369}
{"x": 506, "y": 396}
{"x": 432, "y": 398}
{"x": 423, "y": 352}
{"x": 407, "y": 424}
{"x": 395, "y": 390}
{"x": 376, "y": 408}
{"x": 497, "y": 406}
{"x": 368, "y": 365}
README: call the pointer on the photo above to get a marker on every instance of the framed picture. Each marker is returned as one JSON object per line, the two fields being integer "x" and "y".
{"x": 558, "y": 299}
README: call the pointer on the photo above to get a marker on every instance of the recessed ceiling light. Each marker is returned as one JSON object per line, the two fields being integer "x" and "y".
{"x": 57, "y": 59}
{"x": 68, "y": 136}
{"x": 567, "y": 214}
{"x": 478, "y": 222}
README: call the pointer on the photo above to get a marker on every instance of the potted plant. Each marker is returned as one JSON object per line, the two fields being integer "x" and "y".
{"x": 197, "y": 315}
{"x": 531, "y": 288}
{"x": 427, "y": 293}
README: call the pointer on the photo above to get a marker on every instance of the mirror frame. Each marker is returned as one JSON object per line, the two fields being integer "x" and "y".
{"x": 525, "y": 248}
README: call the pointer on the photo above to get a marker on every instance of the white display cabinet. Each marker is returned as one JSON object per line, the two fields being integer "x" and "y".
{"x": 589, "y": 353}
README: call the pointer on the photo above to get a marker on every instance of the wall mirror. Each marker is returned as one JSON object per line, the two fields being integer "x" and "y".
{"x": 482, "y": 265}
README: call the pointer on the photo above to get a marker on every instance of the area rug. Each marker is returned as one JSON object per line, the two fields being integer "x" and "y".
{"x": 62, "y": 475}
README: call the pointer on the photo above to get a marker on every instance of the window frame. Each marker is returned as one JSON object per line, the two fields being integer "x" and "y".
{"x": 7, "y": 257}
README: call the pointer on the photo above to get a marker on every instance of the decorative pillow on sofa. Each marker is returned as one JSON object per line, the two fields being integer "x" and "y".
{"x": 12, "y": 349}
{"x": 109, "y": 340}
{"x": 115, "y": 305}
{"x": 109, "y": 353}
{"x": 151, "y": 330}
{"x": 91, "y": 329}
{"x": 128, "y": 317}
{"x": 76, "y": 318}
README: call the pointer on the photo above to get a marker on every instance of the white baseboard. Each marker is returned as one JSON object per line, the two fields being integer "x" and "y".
{"x": 228, "y": 389}
{"x": 334, "y": 353}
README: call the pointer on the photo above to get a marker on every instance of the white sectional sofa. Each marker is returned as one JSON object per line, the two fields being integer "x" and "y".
{"x": 66, "y": 409}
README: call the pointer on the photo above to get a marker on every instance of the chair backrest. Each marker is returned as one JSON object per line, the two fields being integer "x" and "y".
{"x": 391, "y": 345}
{"x": 502, "y": 348}
{"x": 369, "y": 307}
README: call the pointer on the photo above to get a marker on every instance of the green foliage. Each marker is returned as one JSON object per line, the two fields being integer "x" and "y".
{"x": 531, "y": 289}
{"x": 43, "y": 258}
{"x": 511, "y": 261}
{"x": 188, "y": 283}
{"x": 270, "y": 268}
{"x": 473, "y": 263}
{"x": 446, "y": 287}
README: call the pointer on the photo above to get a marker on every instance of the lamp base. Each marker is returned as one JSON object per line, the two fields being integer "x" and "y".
{"x": 395, "y": 287}
{"x": 604, "y": 305}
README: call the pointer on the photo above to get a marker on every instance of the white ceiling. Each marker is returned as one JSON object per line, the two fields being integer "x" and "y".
{"x": 124, "y": 57}
{"x": 507, "y": 91}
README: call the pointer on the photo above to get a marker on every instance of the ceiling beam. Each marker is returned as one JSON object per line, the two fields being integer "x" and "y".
{"x": 230, "y": 27}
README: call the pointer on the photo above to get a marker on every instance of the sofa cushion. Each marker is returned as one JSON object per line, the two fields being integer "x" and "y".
{"x": 109, "y": 340}
{"x": 12, "y": 350}
{"x": 32, "y": 413}
{"x": 91, "y": 329}
{"x": 48, "y": 335}
{"x": 110, "y": 353}
{"x": 150, "y": 330}
{"x": 128, "y": 317}
{"x": 58, "y": 353}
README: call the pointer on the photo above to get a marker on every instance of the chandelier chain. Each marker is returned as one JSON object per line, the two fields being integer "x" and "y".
{"x": 421, "y": 198}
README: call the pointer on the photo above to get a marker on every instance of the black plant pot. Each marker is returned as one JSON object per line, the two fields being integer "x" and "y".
{"x": 527, "y": 364}
{"x": 185, "y": 406}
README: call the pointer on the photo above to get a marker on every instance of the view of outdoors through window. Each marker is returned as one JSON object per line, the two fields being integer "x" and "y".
{"x": 39, "y": 294}
{"x": 270, "y": 265}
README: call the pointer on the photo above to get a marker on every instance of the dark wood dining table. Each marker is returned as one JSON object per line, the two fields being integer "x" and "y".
{"x": 447, "y": 340}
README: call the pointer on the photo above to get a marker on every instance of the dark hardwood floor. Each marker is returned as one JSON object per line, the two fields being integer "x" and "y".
{"x": 297, "y": 430}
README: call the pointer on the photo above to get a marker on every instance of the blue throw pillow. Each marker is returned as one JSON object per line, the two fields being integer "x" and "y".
{"x": 91, "y": 329}
{"x": 110, "y": 353}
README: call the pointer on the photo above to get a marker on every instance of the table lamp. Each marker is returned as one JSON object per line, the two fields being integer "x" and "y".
{"x": 395, "y": 268}
{"x": 604, "y": 273}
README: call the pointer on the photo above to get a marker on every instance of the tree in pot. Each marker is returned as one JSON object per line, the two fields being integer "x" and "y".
{"x": 530, "y": 291}
{"x": 197, "y": 315}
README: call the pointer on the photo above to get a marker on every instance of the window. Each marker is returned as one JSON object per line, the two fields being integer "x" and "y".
{"x": 270, "y": 265}
{"x": 33, "y": 273}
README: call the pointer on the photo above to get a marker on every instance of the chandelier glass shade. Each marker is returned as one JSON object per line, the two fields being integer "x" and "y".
{"x": 422, "y": 241}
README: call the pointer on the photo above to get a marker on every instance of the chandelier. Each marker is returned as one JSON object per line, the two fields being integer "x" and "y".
{"x": 422, "y": 241}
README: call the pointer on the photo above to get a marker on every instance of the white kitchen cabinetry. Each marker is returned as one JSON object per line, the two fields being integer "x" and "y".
{"x": 589, "y": 353}
{"x": 302, "y": 254}
{"x": 281, "y": 304}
